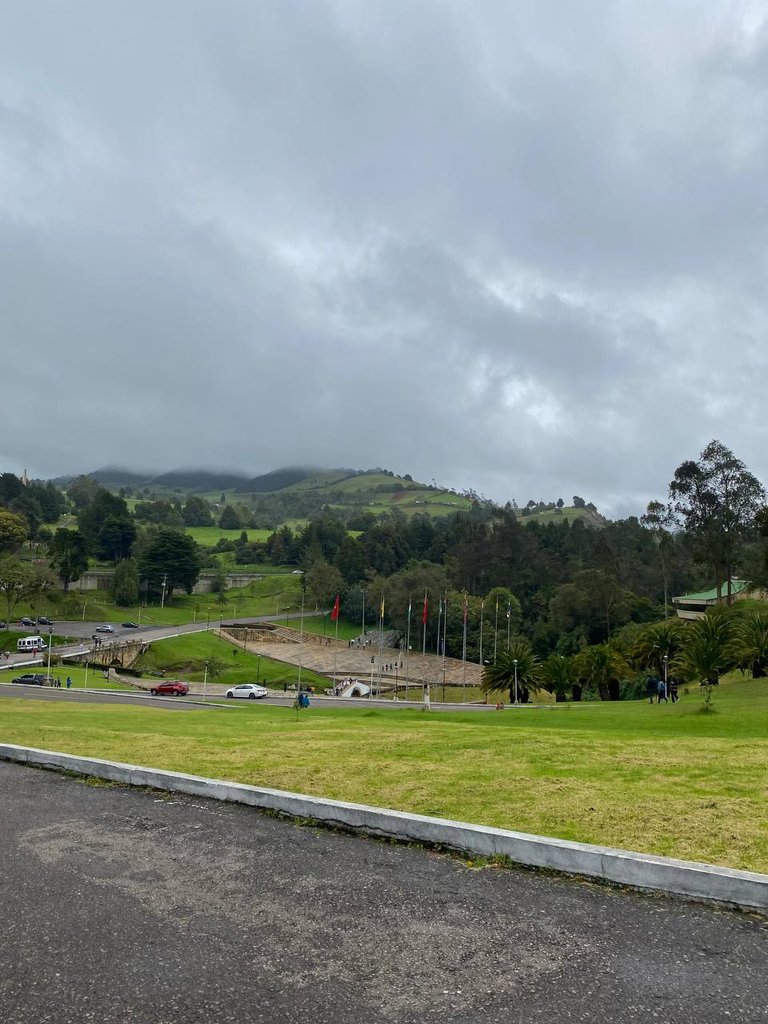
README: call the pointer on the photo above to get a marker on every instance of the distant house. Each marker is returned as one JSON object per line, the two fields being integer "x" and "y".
{"x": 694, "y": 606}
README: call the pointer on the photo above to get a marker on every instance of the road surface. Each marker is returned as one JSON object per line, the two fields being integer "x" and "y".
{"x": 127, "y": 906}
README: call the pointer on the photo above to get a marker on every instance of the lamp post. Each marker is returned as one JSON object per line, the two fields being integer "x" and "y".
{"x": 665, "y": 659}
{"x": 258, "y": 667}
{"x": 514, "y": 662}
{"x": 205, "y": 681}
{"x": 208, "y": 620}
{"x": 50, "y": 643}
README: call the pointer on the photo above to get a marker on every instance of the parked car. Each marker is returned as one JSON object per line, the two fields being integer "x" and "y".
{"x": 130, "y": 625}
{"x": 250, "y": 690}
{"x": 105, "y": 629}
{"x": 26, "y": 621}
{"x": 34, "y": 679}
{"x": 176, "y": 688}
{"x": 43, "y": 620}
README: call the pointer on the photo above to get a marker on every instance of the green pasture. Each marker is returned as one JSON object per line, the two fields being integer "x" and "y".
{"x": 209, "y": 536}
{"x": 266, "y": 596}
{"x": 664, "y": 779}
{"x": 184, "y": 657}
{"x": 552, "y": 515}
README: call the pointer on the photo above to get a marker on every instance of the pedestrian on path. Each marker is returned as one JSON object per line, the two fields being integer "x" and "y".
{"x": 69, "y": 682}
{"x": 651, "y": 688}
{"x": 662, "y": 691}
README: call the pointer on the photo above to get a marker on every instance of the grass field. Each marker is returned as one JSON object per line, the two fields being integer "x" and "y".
{"x": 262, "y": 597}
{"x": 662, "y": 779}
{"x": 185, "y": 657}
{"x": 96, "y": 680}
{"x": 208, "y": 536}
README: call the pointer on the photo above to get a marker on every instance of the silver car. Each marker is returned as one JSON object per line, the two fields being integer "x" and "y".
{"x": 252, "y": 691}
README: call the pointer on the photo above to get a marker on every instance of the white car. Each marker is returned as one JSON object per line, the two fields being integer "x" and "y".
{"x": 250, "y": 690}
{"x": 105, "y": 629}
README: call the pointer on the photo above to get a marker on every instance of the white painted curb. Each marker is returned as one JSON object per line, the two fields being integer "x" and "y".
{"x": 745, "y": 889}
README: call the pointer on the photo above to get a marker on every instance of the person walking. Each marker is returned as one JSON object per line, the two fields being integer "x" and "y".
{"x": 662, "y": 691}
{"x": 69, "y": 682}
{"x": 651, "y": 688}
{"x": 673, "y": 684}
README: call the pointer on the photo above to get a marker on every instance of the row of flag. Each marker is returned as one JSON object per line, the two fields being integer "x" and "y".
{"x": 424, "y": 610}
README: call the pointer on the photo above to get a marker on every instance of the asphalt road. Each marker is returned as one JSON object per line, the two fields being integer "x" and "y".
{"x": 97, "y": 697}
{"x": 126, "y": 906}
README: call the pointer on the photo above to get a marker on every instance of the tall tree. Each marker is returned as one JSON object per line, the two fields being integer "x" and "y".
{"x": 658, "y": 518}
{"x": 716, "y": 500}
{"x": 68, "y": 555}
{"x": 14, "y": 577}
{"x": 171, "y": 560}
{"x": 125, "y": 584}
{"x": 13, "y": 530}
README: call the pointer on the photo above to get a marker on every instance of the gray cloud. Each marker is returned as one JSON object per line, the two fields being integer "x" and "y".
{"x": 515, "y": 247}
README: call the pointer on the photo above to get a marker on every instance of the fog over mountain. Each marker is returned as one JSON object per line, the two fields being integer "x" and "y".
{"x": 514, "y": 247}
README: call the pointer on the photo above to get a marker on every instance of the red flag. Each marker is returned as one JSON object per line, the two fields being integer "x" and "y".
{"x": 335, "y": 612}
{"x": 424, "y": 611}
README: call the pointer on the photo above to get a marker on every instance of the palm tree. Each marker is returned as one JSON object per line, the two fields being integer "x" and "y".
{"x": 558, "y": 676}
{"x": 603, "y": 665}
{"x": 518, "y": 663}
{"x": 751, "y": 642}
{"x": 708, "y": 650}
{"x": 656, "y": 641}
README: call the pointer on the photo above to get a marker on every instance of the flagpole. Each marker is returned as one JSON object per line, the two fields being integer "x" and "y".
{"x": 482, "y": 614}
{"x": 496, "y": 631}
{"x": 407, "y": 647}
{"x": 381, "y": 647}
{"x": 464, "y": 656}
{"x": 424, "y": 612}
{"x": 445, "y": 629}
{"x": 335, "y": 614}
{"x": 437, "y": 642}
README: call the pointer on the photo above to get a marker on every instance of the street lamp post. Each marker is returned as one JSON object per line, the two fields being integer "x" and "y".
{"x": 514, "y": 662}
{"x": 205, "y": 681}
{"x": 50, "y": 644}
{"x": 665, "y": 659}
{"x": 258, "y": 667}
{"x": 208, "y": 620}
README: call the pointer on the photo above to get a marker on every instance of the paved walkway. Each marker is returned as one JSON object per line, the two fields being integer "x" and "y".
{"x": 127, "y": 906}
{"x": 328, "y": 656}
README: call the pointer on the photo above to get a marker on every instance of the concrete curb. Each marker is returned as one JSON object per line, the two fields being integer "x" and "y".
{"x": 745, "y": 889}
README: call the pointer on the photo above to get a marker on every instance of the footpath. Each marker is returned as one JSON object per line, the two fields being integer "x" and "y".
{"x": 339, "y": 659}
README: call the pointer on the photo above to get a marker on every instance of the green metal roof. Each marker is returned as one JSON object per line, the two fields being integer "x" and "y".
{"x": 711, "y": 595}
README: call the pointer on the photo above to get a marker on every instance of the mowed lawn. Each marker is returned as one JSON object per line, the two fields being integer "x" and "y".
{"x": 661, "y": 779}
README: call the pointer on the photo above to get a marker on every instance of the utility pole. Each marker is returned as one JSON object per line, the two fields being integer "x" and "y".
{"x": 165, "y": 584}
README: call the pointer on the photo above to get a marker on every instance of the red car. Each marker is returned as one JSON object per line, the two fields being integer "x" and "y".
{"x": 177, "y": 688}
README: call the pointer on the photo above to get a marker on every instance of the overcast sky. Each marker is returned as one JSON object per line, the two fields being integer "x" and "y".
{"x": 519, "y": 247}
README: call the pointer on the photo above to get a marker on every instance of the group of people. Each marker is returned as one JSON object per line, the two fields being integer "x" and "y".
{"x": 56, "y": 683}
{"x": 662, "y": 691}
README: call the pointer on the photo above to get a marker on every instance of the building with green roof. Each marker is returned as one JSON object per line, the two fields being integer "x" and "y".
{"x": 694, "y": 606}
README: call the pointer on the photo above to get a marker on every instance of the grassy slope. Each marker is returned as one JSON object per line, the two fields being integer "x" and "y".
{"x": 261, "y": 597}
{"x": 185, "y": 657}
{"x": 664, "y": 779}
